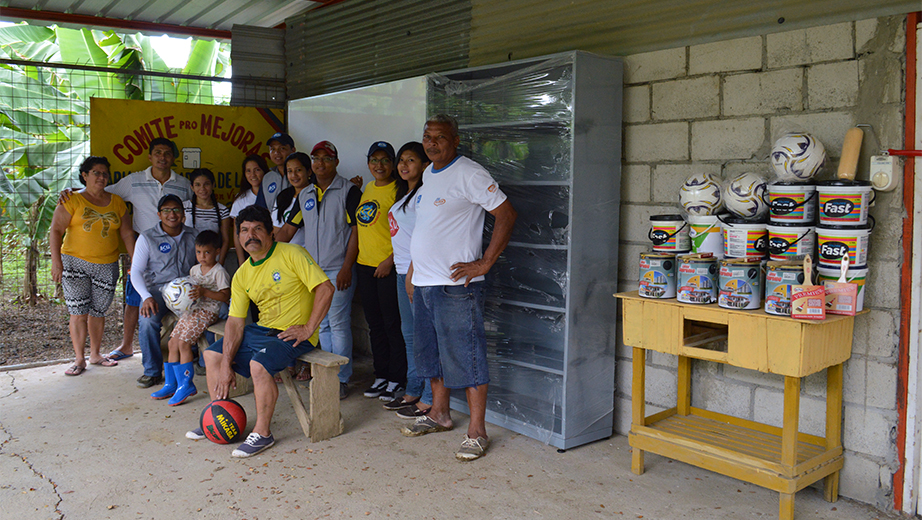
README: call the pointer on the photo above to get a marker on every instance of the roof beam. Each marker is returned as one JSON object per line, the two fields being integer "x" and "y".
{"x": 81, "y": 19}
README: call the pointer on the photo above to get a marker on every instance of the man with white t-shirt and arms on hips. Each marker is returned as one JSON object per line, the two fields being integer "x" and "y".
{"x": 447, "y": 272}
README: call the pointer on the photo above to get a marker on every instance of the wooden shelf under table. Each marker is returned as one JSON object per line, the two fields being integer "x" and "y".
{"x": 780, "y": 459}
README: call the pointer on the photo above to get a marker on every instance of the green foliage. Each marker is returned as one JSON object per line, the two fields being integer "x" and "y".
{"x": 44, "y": 111}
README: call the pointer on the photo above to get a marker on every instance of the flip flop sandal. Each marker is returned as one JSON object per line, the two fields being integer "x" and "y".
{"x": 106, "y": 362}
{"x": 117, "y": 355}
{"x": 75, "y": 370}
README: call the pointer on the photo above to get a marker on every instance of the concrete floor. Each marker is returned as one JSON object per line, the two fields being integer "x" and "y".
{"x": 96, "y": 447}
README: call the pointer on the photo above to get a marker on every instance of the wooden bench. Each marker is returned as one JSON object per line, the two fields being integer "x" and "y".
{"x": 324, "y": 420}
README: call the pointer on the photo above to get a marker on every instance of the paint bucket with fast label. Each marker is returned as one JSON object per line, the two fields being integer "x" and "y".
{"x": 779, "y": 277}
{"x": 844, "y": 202}
{"x": 669, "y": 234}
{"x": 790, "y": 241}
{"x": 657, "y": 275}
{"x": 834, "y": 242}
{"x": 791, "y": 202}
{"x": 740, "y": 283}
{"x": 706, "y": 235}
{"x": 744, "y": 238}
{"x": 855, "y": 276}
{"x": 697, "y": 279}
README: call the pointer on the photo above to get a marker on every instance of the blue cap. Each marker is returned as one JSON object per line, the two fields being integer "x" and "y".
{"x": 283, "y": 139}
{"x": 382, "y": 146}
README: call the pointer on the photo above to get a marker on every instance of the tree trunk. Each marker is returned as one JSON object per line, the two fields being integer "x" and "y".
{"x": 30, "y": 278}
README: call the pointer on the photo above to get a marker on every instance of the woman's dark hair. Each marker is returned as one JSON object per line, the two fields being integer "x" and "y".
{"x": 288, "y": 194}
{"x": 204, "y": 172}
{"x": 403, "y": 186}
{"x": 244, "y": 183}
{"x": 88, "y": 164}
{"x": 209, "y": 238}
{"x": 254, "y": 213}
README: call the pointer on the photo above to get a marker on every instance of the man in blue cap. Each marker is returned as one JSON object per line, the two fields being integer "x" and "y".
{"x": 281, "y": 145}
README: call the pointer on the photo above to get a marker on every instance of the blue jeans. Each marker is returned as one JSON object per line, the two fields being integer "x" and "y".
{"x": 336, "y": 327}
{"x": 450, "y": 339}
{"x": 416, "y": 385}
{"x": 149, "y": 336}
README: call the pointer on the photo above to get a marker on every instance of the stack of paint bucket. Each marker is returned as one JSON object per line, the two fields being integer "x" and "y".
{"x": 791, "y": 237}
{"x": 844, "y": 230}
{"x": 669, "y": 235}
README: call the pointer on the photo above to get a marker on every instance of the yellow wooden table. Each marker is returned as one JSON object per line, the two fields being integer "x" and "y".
{"x": 780, "y": 459}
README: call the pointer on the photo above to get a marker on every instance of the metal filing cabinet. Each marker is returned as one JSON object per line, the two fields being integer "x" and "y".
{"x": 549, "y": 131}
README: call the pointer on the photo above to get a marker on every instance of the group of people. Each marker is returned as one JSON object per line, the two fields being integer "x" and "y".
{"x": 304, "y": 236}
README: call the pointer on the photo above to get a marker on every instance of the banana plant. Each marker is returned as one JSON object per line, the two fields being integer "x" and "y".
{"x": 44, "y": 110}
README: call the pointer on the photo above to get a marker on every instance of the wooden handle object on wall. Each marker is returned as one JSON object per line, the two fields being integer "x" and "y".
{"x": 851, "y": 148}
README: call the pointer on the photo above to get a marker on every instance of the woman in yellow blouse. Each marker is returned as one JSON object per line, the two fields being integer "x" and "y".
{"x": 84, "y": 239}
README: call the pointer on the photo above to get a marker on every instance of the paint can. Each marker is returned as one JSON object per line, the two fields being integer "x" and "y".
{"x": 706, "y": 235}
{"x": 791, "y": 202}
{"x": 744, "y": 238}
{"x": 844, "y": 202}
{"x": 855, "y": 276}
{"x": 657, "y": 275}
{"x": 669, "y": 234}
{"x": 740, "y": 283}
{"x": 837, "y": 241}
{"x": 790, "y": 241}
{"x": 697, "y": 279}
{"x": 779, "y": 277}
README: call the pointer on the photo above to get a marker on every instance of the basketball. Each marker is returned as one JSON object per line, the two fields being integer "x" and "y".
{"x": 223, "y": 421}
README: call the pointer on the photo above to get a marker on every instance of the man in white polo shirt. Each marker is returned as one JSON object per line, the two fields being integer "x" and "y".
{"x": 143, "y": 190}
{"x": 447, "y": 271}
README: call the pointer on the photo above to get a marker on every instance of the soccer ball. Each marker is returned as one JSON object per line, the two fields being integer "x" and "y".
{"x": 176, "y": 294}
{"x": 743, "y": 196}
{"x": 700, "y": 195}
{"x": 797, "y": 157}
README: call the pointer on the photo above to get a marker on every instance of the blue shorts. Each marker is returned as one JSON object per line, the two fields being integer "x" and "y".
{"x": 132, "y": 297}
{"x": 262, "y": 345}
{"x": 449, "y": 340}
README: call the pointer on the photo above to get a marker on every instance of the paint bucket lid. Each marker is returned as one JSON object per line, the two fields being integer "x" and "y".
{"x": 665, "y": 218}
{"x": 657, "y": 254}
{"x": 791, "y": 184}
{"x": 790, "y": 224}
{"x": 736, "y": 221}
{"x": 844, "y": 183}
{"x": 843, "y": 227}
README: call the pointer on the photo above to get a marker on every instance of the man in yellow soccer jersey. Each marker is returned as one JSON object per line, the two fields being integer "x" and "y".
{"x": 293, "y": 295}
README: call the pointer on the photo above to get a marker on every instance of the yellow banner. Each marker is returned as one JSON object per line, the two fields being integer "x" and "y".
{"x": 207, "y": 136}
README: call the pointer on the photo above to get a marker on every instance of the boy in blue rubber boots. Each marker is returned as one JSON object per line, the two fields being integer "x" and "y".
{"x": 212, "y": 288}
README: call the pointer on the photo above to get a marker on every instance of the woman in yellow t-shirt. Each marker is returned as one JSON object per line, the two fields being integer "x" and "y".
{"x": 377, "y": 278}
{"x": 84, "y": 240}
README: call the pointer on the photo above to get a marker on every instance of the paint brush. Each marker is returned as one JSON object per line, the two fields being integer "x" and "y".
{"x": 808, "y": 300}
{"x": 841, "y": 296}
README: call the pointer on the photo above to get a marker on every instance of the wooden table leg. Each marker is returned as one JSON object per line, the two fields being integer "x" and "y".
{"x": 638, "y": 404}
{"x": 834, "y": 376}
{"x": 789, "y": 441}
{"x": 786, "y": 509}
{"x": 683, "y": 402}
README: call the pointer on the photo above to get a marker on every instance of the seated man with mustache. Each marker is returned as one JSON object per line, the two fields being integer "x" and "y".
{"x": 293, "y": 295}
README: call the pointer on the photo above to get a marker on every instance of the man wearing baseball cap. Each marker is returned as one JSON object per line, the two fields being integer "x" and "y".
{"x": 281, "y": 145}
{"x": 326, "y": 214}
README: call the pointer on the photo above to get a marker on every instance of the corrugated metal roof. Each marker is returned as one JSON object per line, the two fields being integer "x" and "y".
{"x": 514, "y": 29}
{"x": 220, "y": 15}
{"x": 362, "y": 42}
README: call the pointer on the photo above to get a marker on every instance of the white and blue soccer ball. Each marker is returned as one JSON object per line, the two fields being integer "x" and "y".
{"x": 743, "y": 196}
{"x": 797, "y": 157}
{"x": 700, "y": 195}
{"x": 177, "y": 294}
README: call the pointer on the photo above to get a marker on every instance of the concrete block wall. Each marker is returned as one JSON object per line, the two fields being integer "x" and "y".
{"x": 715, "y": 108}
